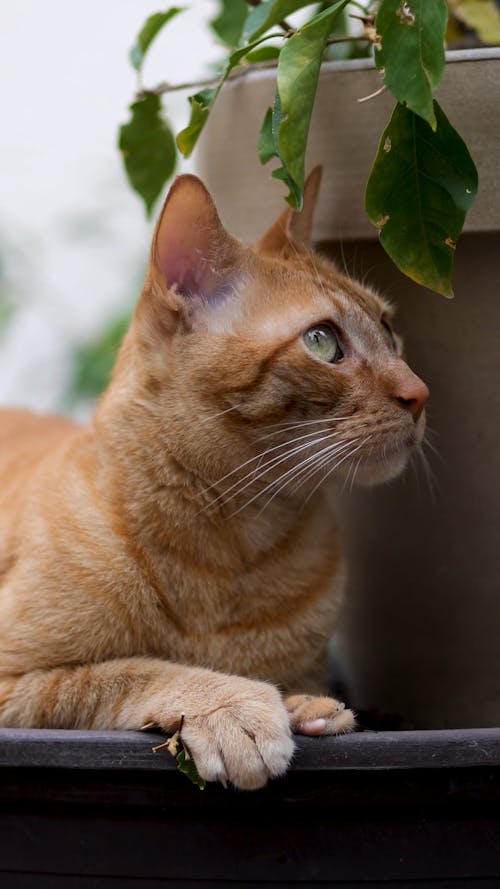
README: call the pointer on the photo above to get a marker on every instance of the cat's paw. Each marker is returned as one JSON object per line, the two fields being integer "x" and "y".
{"x": 245, "y": 739}
{"x": 310, "y": 715}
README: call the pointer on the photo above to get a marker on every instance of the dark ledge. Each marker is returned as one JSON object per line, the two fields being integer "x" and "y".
{"x": 55, "y": 749}
{"x": 90, "y": 810}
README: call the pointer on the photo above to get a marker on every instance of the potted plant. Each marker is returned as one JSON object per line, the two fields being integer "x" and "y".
{"x": 419, "y": 636}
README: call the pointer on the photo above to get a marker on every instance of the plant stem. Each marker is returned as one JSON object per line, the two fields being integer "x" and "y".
{"x": 210, "y": 81}
{"x": 242, "y": 71}
{"x": 349, "y": 38}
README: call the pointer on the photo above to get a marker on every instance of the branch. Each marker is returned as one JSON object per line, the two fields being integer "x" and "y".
{"x": 210, "y": 81}
{"x": 235, "y": 74}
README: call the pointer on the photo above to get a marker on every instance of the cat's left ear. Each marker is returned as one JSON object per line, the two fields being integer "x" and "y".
{"x": 192, "y": 253}
{"x": 293, "y": 226}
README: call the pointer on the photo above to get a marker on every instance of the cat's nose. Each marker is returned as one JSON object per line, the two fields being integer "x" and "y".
{"x": 412, "y": 395}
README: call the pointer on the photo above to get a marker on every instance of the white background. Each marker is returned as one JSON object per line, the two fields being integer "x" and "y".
{"x": 73, "y": 236}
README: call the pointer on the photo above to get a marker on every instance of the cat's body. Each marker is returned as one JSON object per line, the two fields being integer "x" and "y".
{"x": 174, "y": 536}
{"x": 117, "y": 581}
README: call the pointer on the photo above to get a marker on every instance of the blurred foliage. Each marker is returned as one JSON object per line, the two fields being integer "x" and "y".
{"x": 474, "y": 19}
{"x": 7, "y": 304}
{"x": 7, "y": 309}
{"x": 93, "y": 361}
{"x": 228, "y": 23}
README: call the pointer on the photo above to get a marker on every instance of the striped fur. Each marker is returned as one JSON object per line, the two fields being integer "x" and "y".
{"x": 143, "y": 575}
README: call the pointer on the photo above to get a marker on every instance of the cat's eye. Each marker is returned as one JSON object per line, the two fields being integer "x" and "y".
{"x": 322, "y": 341}
{"x": 391, "y": 339}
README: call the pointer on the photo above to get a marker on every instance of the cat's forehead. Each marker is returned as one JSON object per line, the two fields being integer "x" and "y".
{"x": 286, "y": 295}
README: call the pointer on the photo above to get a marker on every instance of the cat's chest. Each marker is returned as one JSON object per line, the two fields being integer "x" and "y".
{"x": 253, "y": 619}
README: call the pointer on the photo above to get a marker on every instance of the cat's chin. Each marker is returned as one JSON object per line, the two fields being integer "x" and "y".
{"x": 378, "y": 470}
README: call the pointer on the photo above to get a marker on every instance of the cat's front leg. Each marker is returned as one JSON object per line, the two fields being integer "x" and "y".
{"x": 313, "y": 715}
{"x": 236, "y": 729}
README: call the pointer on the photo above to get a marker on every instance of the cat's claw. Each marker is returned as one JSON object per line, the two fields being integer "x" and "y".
{"x": 311, "y": 715}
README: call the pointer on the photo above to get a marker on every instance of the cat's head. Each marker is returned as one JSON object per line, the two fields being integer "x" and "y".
{"x": 266, "y": 358}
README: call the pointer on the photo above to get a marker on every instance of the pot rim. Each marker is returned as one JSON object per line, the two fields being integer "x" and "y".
{"x": 478, "y": 54}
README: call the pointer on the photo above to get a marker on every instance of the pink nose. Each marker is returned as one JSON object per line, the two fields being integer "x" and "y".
{"x": 412, "y": 395}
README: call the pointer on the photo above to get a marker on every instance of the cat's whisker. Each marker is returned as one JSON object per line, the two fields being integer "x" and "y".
{"x": 334, "y": 467}
{"x": 344, "y": 261}
{"x": 358, "y": 464}
{"x": 310, "y": 434}
{"x": 296, "y": 470}
{"x": 347, "y": 475}
{"x": 251, "y": 460}
{"x": 290, "y": 428}
{"x": 366, "y": 274}
{"x": 326, "y": 462}
{"x": 428, "y": 473}
{"x": 270, "y": 464}
{"x": 259, "y": 465}
{"x": 323, "y": 458}
{"x": 233, "y": 407}
{"x": 286, "y": 424}
{"x": 293, "y": 471}
{"x": 431, "y": 447}
{"x": 317, "y": 460}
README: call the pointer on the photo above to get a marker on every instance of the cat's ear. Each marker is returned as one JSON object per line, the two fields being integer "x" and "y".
{"x": 191, "y": 251}
{"x": 291, "y": 226}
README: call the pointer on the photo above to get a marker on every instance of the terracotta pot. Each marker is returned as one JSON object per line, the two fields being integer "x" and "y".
{"x": 421, "y": 627}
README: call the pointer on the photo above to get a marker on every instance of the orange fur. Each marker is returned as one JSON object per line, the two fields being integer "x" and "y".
{"x": 152, "y": 563}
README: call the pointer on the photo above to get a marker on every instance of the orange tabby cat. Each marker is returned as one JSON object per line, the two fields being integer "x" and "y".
{"x": 179, "y": 555}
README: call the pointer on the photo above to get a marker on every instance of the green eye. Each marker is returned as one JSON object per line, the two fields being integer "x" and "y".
{"x": 322, "y": 342}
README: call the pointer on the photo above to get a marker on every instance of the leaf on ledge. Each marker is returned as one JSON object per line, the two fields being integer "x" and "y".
{"x": 420, "y": 188}
{"x": 187, "y": 766}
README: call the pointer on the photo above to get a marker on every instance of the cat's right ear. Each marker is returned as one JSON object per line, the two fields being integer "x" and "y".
{"x": 292, "y": 227}
{"x": 193, "y": 258}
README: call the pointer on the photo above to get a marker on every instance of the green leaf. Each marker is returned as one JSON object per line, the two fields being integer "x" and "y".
{"x": 188, "y": 768}
{"x": 202, "y": 102}
{"x": 421, "y": 186}
{"x": 268, "y": 14}
{"x": 148, "y": 149}
{"x": 482, "y": 16}
{"x": 148, "y": 32}
{"x": 228, "y": 24}
{"x": 411, "y": 51}
{"x": 297, "y": 80}
{"x": 266, "y": 145}
{"x": 264, "y": 54}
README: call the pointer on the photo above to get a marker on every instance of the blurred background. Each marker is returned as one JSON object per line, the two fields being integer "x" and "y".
{"x": 73, "y": 236}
